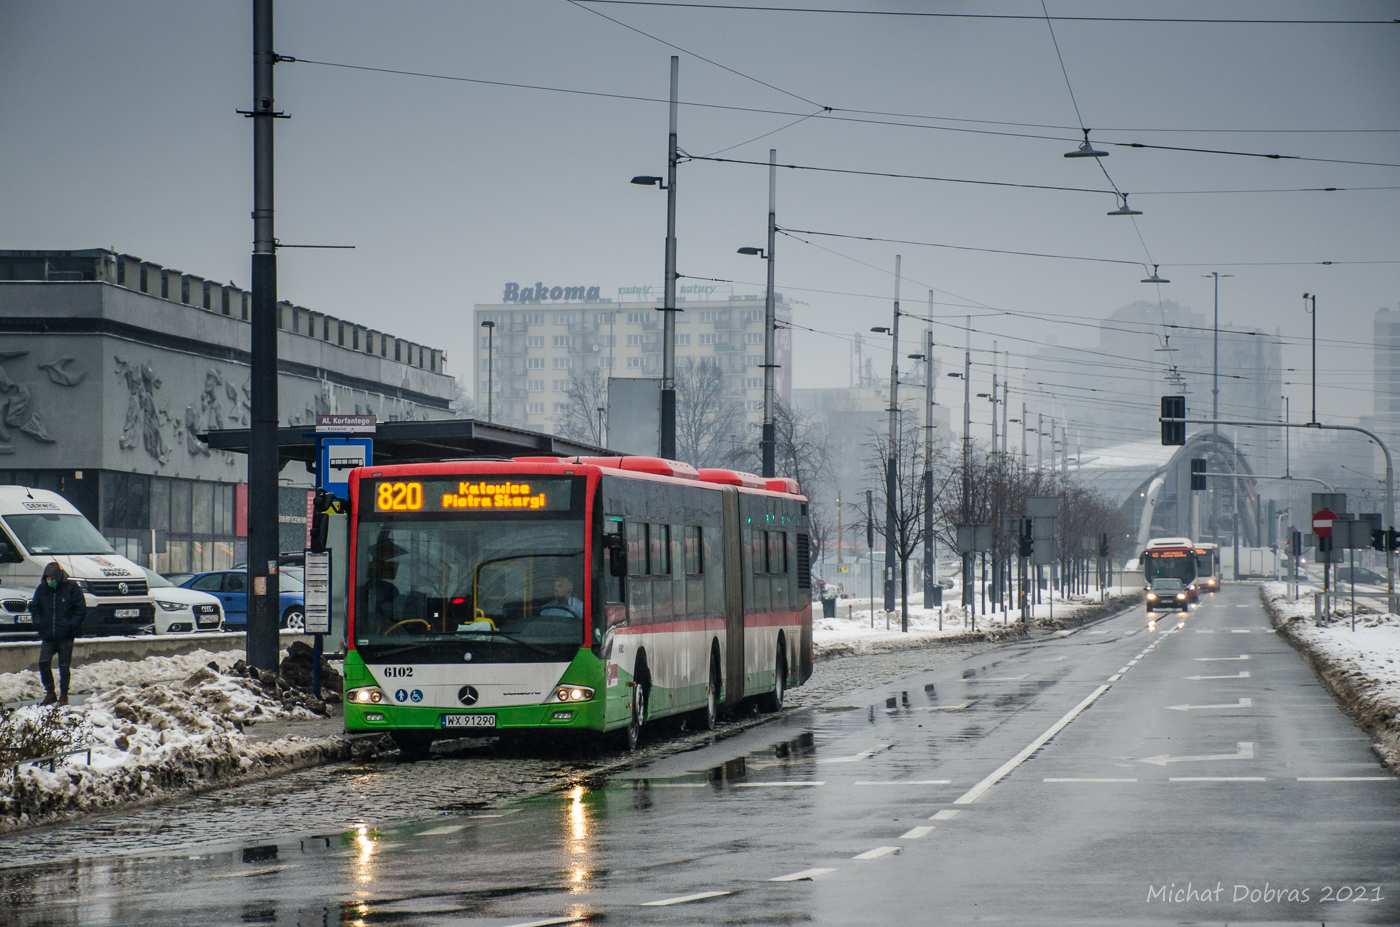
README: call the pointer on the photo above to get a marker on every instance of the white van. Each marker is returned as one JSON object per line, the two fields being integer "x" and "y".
{"x": 38, "y": 527}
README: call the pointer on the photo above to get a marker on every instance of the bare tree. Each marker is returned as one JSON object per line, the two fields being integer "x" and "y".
{"x": 462, "y": 405}
{"x": 579, "y": 420}
{"x": 705, "y": 416}
{"x": 801, "y": 451}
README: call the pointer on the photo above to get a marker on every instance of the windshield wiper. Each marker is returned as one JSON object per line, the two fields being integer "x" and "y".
{"x": 513, "y": 639}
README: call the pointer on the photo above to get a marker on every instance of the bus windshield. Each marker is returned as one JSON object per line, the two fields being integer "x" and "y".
{"x": 513, "y": 581}
{"x": 1170, "y": 564}
{"x": 1205, "y": 562}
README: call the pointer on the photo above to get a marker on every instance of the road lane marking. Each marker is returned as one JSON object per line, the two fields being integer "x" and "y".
{"x": 1346, "y": 778}
{"x": 916, "y": 832}
{"x": 773, "y": 785}
{"x": 806, "y": 875}
{"x": 876, "y": 853}
{"x": 1217, "y": 779}
{"x": 553, "y": 920}
{"x": 1115, "y": 677}
{"x": 1243, "y": 656}
{"x": 1098, "y": 632}
{"x": 1242, "y": 703}
{"x": 672, "y": 785}
{"x": 863, "y": 755}
{"x": 441, "y": 830}
{"x": 1088, "y": 780}
{"x": 972, "y": 794}
{"x": 1242, "y": 674}
{"x": 904, "y": 782}
{"x": 1244, "y": 750}
{"x": 944, "y": 815}
{"x": 1001, "y": 678}
{"x": 1205, "y": 630}
{"x": 698, "y": 896}
{"x": 1239, "y": 630}
{"x": 963, "y": 707}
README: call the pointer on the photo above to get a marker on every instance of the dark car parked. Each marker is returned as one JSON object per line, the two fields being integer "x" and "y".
{"x": 1358, "y": 575}
{"x": 231, "y": 586}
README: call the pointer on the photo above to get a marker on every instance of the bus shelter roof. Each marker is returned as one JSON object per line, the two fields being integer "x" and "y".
{"x": 419, "y": 442}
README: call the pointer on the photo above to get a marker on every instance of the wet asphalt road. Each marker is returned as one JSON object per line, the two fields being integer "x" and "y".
{"x": 1112, "y": 776}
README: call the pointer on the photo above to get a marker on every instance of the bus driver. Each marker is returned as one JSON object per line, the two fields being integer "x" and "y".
{"x": 564, "y": 604}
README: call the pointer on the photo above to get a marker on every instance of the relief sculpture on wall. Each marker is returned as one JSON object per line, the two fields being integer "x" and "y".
{"x": 18, "y": 410}
{"x": 143, "y": 419}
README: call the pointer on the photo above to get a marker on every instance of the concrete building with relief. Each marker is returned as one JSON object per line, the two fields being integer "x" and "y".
{"x": 110, "y": 366}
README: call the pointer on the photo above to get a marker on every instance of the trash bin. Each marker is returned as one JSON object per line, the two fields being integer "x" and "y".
{"x": 829, "y": 608}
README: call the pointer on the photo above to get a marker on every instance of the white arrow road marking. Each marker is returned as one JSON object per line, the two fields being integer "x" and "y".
{"x": 863, "y": 755}
{"x": 1244, "y": 750}
{"x": 1242, "y": 674}
{"x": 806, "y": 875}
{"x": 916, "y": 832}
{"x": 876, "y": 853}
{"x": 682, "y": 899}
{"x": 1242, "y": 656}
{"x": 1242, "y": 703}
{"x": 963, "y": 707}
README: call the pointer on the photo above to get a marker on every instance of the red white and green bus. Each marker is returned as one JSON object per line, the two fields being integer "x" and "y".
{"x": 587, "y": 594}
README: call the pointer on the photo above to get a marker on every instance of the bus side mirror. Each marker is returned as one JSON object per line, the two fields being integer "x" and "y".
{"x": 616, "y": 546}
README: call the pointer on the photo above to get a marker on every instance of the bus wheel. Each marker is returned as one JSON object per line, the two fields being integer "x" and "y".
{"x": 712, "y": 703}
{"x": 639, "y": 706}
{"x": 773, "y": 701}
{"x": 413, "y": 745}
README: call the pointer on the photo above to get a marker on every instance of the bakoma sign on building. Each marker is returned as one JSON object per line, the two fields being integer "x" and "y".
{"x": 515, "y": 293}
{"x": 538, "y": 293}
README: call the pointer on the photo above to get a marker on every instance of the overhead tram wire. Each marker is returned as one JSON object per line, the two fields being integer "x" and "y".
{"x": 753, "y": 8}
{"x": 831, "y": 116}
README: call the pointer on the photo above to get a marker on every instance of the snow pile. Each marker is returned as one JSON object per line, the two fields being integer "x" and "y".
{"x": 151, "y": 740}
{"x": 1360, "y": 667}
{"x": 108, "y": 674}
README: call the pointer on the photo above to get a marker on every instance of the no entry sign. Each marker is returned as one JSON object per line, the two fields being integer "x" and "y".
{"x": 1322, "y": 522}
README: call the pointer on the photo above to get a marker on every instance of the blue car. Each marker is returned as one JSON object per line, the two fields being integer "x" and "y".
{"x": 231, "y": 586}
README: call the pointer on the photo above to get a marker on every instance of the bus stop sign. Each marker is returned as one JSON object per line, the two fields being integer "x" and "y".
{"x": 1322, "y": 522}
{"x": 338, "y": 457}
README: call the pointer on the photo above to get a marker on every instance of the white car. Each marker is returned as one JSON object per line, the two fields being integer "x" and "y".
{"x": 183, "y": 611}
{"x": 14, "y": 611}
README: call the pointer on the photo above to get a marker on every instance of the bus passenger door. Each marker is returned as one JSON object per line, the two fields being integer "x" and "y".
{"x": 733, "y": 599}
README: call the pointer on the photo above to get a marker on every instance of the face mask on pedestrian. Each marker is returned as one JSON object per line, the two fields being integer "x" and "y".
{"x": 51, "y": 583}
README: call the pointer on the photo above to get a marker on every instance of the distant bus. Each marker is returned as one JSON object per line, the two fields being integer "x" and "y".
{"x": 586, "y": 595}
{"x": 1171, "y": 558}
{"x": 1208, "y": 566}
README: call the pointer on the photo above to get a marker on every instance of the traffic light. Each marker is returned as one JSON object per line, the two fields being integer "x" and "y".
{"x": 1027, "y": 545}
{"x": 1387, "y": 540}
{"x": 1103, "y": 544}
{"x": 1173, "y": 420}
{"x": 324, "y": 504}
{"x": 1198, "y": 472}
{"x": 1295, "y": 543}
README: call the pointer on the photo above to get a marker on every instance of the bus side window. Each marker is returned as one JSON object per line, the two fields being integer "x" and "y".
{"x": 636, "y": 549}
{"x": 694, "y": 550}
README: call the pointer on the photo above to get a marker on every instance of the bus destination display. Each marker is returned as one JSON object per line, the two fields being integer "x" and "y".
{"x": 491, "y": 494}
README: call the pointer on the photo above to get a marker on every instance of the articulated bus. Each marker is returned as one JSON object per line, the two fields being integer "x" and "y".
{"x": 591, "y": 594}
{"x": 1208, "y": 573}
{"x": 1171, "y": 558}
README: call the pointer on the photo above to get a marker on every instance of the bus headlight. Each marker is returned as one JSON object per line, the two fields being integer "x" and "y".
{"x": 570, "y": 694}
{"x": 368, "y": 695}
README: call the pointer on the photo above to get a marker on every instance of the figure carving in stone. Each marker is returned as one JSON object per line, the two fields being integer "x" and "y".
{"x": 59, "y": 373}
{"x": 18, "y": 405}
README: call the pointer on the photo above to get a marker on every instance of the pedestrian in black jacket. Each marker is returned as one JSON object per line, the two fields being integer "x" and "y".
{"x": 58, "y": 609}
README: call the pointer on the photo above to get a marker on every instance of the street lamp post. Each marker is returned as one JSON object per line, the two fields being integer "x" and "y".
{"x": 668, "y": 335}
{"x": 768, "y": 443}
{"x": 1312, "y": 312}
{"x": 930, "y": 564}
{"x": 490, "y": 327}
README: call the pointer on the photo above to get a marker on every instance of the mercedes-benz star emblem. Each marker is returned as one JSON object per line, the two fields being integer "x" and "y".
{"x": 467, "y": 695}
{"x": 122, "y": 588}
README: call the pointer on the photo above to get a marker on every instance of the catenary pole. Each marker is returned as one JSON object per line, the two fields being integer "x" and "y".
{"x": 967, "y": 459}
{"x": 770, "y": 326}
{"x": 668, "y": 333}
{"x": 262, "y": 643}
{"x": 892, "y": 455}
{"x": 930, "y": 566}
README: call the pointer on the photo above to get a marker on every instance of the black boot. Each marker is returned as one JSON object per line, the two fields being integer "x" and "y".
{"x": 49, "y": 698}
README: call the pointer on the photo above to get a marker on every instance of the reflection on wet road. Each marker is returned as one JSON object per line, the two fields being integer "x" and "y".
{"x": 1075, "y": 780}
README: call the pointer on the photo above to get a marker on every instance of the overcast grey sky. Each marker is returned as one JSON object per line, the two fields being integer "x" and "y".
{"x": 119, "y": 131}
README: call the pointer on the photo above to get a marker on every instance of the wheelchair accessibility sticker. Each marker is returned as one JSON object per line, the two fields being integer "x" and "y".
{"x": 417, "y": 695}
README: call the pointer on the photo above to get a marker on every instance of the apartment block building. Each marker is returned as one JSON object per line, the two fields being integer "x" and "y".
{"x": 542, "y": 338}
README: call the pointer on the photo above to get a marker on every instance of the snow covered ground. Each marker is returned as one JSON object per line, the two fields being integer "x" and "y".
{"x": 152, "y": 739}
{"x": 1361, "y": 666}
{"x": 106, "y": 675}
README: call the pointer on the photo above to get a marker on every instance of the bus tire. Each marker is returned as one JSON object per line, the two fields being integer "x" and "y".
{"x": 773, "y": 701}
{"x": 712, "y": 701}
{"x": 641, "y": 686}
{"x": 413, "y": 745}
